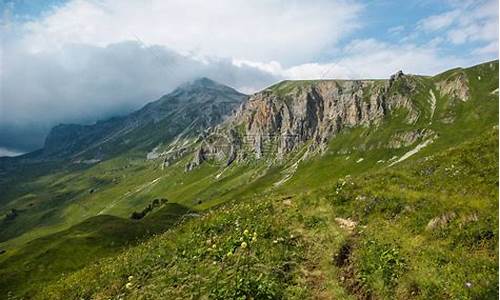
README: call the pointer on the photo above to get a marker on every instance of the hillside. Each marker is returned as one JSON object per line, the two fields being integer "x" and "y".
{"x": 426, "y": 230}
{"x": 48, "y": 257}
{"x": 395, "y": 178}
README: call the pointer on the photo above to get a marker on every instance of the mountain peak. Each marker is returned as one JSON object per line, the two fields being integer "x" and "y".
{"x": 201, "y": 83}
{"x": 204, "y": 81}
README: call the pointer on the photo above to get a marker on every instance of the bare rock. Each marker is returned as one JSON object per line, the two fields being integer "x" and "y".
{"x": 441, "y": 221}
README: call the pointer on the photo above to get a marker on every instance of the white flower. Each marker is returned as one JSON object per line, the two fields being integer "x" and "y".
{"x": 129, "y": 285}
{"x": 243, "y": 245}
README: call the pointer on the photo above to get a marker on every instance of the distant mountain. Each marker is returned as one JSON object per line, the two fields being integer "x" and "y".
{"x": 190, "y": 108}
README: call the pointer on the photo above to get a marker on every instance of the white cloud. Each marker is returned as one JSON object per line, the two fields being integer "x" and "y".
{"x": 368, "y": 58}
{"x": 491, "y": 48}
{"x": 396, "y": 29}
{"x": 469, "y": 21}
{"x": 255, "y": 30}
{"x": 438, "y": 22}
{"x": 8, "y": 152}
{"x": 82, "y": 83}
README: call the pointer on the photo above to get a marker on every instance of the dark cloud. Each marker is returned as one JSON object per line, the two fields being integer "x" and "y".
{"x": 82, "y": 84}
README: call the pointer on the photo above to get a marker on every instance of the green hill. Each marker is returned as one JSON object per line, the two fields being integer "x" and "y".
{"x": 43, "y": 259}
{"x": 426, "y": 230}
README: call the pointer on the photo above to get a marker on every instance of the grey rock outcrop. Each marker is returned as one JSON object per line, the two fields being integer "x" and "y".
{"x": 292, "y": 113}
{"x": 456, "y": 87}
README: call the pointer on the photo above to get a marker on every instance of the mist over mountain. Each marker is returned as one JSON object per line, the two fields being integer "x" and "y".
{"x": 88, "y": 84}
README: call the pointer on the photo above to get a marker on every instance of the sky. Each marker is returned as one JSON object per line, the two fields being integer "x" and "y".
{"x": 79, "y": 61}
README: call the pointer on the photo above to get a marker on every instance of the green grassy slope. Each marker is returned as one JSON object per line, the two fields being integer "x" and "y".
{"x": 425, "y": 230}
{"x": 43, "y": 259}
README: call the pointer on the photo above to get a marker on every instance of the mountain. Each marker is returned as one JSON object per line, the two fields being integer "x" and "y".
{"x": 349, "y": 189}
{"x": 189, "y": 109}
{"x": 290, "y": 114}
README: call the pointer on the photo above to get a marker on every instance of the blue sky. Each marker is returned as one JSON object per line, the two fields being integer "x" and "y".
{"x": 85, "y": 60}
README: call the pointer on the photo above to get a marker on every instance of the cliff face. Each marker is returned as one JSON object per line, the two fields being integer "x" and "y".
{"x": 290, "y": 114}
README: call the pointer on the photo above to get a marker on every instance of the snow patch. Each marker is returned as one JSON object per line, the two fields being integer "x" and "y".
{"x": 153, "y": 154}
{"x": 432, "y": 101}
{"x": 289, "y": 172}
{"x": 413, "y": 151}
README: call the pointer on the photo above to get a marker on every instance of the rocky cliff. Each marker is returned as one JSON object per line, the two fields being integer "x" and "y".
{"x": 290, "y": 114}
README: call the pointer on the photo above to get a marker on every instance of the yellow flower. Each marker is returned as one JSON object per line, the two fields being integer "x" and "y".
{"x": 130, "y": 278}
{"x": 129, "y": 285}
{"x": 214, "y": 246}
{"x": 246, "y": 232}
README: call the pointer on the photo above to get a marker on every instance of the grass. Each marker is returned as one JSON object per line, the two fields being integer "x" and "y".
{"x": 43, "y": 259}
{"x": 300, "y": 251}
{"x": 393, "y": 251}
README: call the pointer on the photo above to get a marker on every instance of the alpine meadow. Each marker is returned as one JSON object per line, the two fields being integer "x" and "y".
{"x": 265, "y": 171}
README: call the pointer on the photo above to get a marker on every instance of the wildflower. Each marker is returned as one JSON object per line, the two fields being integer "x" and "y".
{"x": 275, "y": 241}
{"x": 254, "y": 233}
{"x": 229, "y": 254}
{"x": 254, "y": 239}
{"x": 243, "y": 245}
{"x": 214, "y": 246}
{"x": 130, "y": 278}
{"x": 241, "y": 239}
{"x": 246, "y": 232}
{"x": 129, "y": 285}
{"x": 214, "y": 263}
